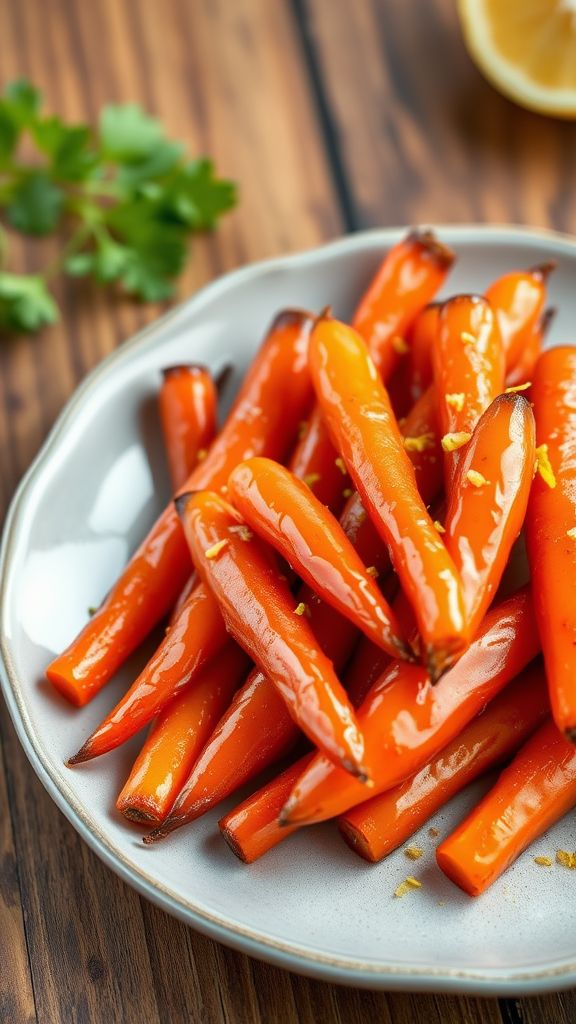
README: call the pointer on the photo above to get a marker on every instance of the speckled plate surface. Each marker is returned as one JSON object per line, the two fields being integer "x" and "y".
{"x": 310, "y": 905}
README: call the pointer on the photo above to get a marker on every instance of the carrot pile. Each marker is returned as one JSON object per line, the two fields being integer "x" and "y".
{"x": 333, "y": 576}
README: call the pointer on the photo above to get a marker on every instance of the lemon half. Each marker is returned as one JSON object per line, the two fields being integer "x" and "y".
{"x": 526, "y": 49}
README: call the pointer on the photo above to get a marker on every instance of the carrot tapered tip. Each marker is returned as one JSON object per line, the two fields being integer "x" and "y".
{"x": 181, "y": 501}
{"x": 546, "y": 320}
{"x": 433, "y": 247}
{"x": 84, "y": 754}
{"x": 543, "y": 270}
{"x": 170, "y": 371}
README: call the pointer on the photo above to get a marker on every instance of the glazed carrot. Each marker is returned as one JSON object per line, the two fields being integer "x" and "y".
{"x": 468, "y": 362}
{"x": 408, "y": 277}
{"x": 421, "y": 340}
{"x": 261, "y": 615}
{"x": 188, "y": 404}
{"x": 358, "y": 415}
{"x": 178, "y": 736}
{"x": 518, "y": 299}
{"x": 551, "y": 528}
{"x": 257, "y": 730}
{"x": 488, "y": 500}
{"x": 194, "y": 638}
{"x": 376, "y": 828}
{"x": 406, "y": 281}
{"x": 534, "y": 791}
{"x": 252, "y": 828}
{"x": 283, "y": 511}
{"x": 406, "y": 721}
{"x": 523, "y": 370}
{"x": 258, "y": 424}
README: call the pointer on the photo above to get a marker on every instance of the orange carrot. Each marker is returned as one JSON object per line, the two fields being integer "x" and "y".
{"x": 421, "y": 341}
{"x": 358, "y": 415}
{"x": 252, "y": 829}
{"x": 532, "y": 793}
{"x": 518, "y": 299}
{"x": 366, "y": 666}
{"x": 408, "y": 277}
{"x": 406, "y": 721}
{"x": 260, "y": 613}
{"x": 489, "y": 498}
{"x": 193, "y": 639}
{"x": 468, "y": 361}
{"x": 376, "y": 828}
{"x": 149, "y": 585}
{"x": 551, "y": 527}
{"x": 188, "y": 404}
{"x": 177, "y": 738}
{"x": 283, "y": 511}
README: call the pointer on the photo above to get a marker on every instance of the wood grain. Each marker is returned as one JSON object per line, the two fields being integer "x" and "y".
{"x": 330, "y": 116}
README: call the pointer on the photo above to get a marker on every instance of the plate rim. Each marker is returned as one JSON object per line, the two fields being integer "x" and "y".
{"x": 328, "y": 967}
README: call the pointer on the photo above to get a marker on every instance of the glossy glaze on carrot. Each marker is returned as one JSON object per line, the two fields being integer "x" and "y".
{"x": 551, "y": 528}
{"x": 468, "y": 363}
{"x": 149, "y": 585}
{"x": 406, "y": 720}
{"x": 376, "y": 828}
{"x": 188, "y": 405}
{"x": 363, "y": 427}
{"x": 283, "y": 511}
{"x": 489, "y": 498}
{"x": 178, "y": 737}
{"x": 196, "y": 636}
{"x": 261, "y": 615}
{"x": 533, "y": 792}
{"x": 518, "y": 299}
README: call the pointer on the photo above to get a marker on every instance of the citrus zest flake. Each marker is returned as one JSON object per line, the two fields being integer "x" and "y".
{"x": 456, "y": 400}
{"x": 216, "y": 548}
{"x": 519, "y": 387}
{"x": 543, "y": 466}
{"x": 451, "y": 442}
{"x": 476, "y": 479}
{"x": 419, "y": 444}
{"x": 399, "y": 345}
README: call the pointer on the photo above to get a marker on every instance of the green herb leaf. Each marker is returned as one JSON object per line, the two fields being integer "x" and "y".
{"x": 36, "y": 204}
{"x": 79, "y": 264}
{"x": 9, "y": 134}
{"x": 198, "y": 198}
{"x": 22, "y": 102}
{"x": 25, "y": 303}
{"x": 69, "y": 148}
{"x": 127, "y": 133}
{"x": 156, "y": 164}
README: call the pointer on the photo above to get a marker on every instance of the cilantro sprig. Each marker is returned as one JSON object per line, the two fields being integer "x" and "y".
{"x": 126, "y": 197}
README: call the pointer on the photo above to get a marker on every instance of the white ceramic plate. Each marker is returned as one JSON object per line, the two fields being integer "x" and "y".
{"x": 310, "y": 905}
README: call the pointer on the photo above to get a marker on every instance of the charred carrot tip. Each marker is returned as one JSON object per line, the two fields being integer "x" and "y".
{"x": 546, "y": 320}
{"x": 84, "y": 754}
{"x": 324, "y": 314}
{"x": 432, "y": 246}
{"x": 221, "y": 378}
{"x": 288, "y": 317}
{"x": 170, "y": 371}
{"x": 181, "y": 501}
{"x": 543, "y": 270}
{"x": 140, "y": 817}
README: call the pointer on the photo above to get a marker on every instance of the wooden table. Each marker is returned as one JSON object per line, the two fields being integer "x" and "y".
{"x": 332, "y": 116}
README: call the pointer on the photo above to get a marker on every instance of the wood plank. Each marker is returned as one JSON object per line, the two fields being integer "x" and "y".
{"x": 423, "y": 136}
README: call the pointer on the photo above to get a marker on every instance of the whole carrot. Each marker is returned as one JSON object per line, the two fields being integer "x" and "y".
{"x": 251, "y": 829}
{"x": 149, "y": 585}
{"x": 358, "y": 415}
{"x": 188, "y": 404}
{"x": 283, "y": 511}
{"x": 177, "y": 738}
{"x": 468, "y": 361}
{"x": 366, "y": 666}
{"x": 193, "y": 639}
{"x": 518, "y": 299}
{"x": 406, "y": 721}
{"x": 407, "y": 278}
{"x": 488, "y": 500}
{"x": 551, "y": 527}
{"x": 532, "y": 793}
{"x": 260, "y": 613}
{"x": 377, "y": 827}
